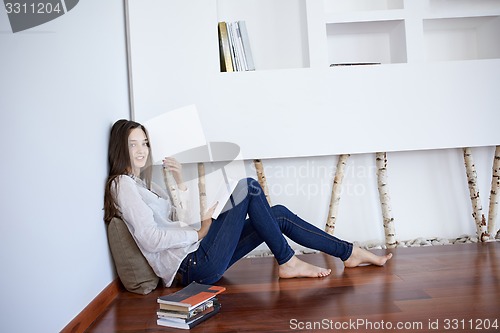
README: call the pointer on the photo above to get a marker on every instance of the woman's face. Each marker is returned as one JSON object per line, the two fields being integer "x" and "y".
{"x": 138, "y": 150}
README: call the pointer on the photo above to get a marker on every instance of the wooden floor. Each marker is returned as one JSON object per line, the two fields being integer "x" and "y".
{"x": 450, "y": 288}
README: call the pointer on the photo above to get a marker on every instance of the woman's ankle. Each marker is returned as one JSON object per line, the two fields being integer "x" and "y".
{"x": 298, "y": 268}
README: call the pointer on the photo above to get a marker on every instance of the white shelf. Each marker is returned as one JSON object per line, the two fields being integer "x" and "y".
{"x": 465, "y": 38}
{"x": 277, "y": 30}
{"x": 287, "y": 34}
{"x": 463, "y": 5}
{"x": 374, "y": 42}
{"x": 346, "y": 106}
{"x": 342, "y": 6}
{"x": 365, "y": 16}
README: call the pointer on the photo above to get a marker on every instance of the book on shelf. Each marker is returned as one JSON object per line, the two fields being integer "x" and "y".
{"x": 239, "y": 56}
{"x": 234, "y": 46}
{"x": 246, "y": 45}
{"x": 189, "y": 297}
{"x": 225, "y": 51}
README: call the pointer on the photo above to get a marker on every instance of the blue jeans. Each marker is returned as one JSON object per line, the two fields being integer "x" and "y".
{"x": 232, "y": 236}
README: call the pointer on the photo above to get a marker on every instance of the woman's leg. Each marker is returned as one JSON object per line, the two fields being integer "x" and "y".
{"x": 263, "y": 220}
{"x": 231, "y": 237}
{"x": 312, "y": 237}
{"x": 308, "y": 235}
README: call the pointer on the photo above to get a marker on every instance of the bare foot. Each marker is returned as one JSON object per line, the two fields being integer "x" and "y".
{"x": 295, "y": 268}
{"x": 360, "y": 256}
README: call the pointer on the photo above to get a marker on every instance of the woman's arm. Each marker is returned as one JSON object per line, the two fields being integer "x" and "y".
{"x": 205, "y": 226}
{"x": 139, "y": 217}
{"x": 206, "y": 222}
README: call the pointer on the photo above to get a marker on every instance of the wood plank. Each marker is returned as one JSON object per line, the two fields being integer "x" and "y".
{"x": 95, "y": 308}
{"x": 419, "y": 285}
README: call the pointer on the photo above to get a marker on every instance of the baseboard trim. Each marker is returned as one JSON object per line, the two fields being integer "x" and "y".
{"x": 95, "y": 308}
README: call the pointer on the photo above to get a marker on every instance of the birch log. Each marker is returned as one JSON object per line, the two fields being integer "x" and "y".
{"x": 477, "y": 208}
{"x": 385, "y": 200}
{"x": 495, "y": 187}
{"x": 336, "y": 191}
{"x": 202, "y": 189}
{"x": 261, "y": 177}
{"x": 171, "y": 185}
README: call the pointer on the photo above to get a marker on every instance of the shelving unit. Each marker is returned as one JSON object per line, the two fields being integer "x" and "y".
{"x": 466, "y": 38}
{"x": 447, "y": 6}
{"x": 295, "y": 101}
{"x": 342, "y": 6}
{"x": 366, "y": 42}
{"x": 373, "y": 31}
{"x": 278, "y": 30}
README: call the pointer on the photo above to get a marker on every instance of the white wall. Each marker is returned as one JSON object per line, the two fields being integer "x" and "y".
{"x": 61, "y": 86}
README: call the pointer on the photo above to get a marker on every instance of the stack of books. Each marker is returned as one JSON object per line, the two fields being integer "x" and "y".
{"x": 189, "y": 306}
{"x": 234, "y": 45}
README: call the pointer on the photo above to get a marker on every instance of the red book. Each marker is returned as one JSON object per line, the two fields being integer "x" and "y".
{"x": 191, "y": 296}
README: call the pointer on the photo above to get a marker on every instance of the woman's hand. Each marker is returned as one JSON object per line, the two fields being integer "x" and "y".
{"x": 176, "y": 168}
{"x": 206, "y": 221}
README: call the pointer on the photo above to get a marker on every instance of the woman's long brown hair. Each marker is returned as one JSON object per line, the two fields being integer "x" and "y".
{"x": 119, "y": 163}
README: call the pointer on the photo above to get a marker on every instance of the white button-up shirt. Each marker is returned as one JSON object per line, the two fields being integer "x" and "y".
{"x": 147, "y": 214}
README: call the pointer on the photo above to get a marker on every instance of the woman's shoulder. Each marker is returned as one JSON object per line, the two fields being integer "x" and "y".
{"x": 124, "y": 182}
{"x": 123, "y": 179}
{"x": 126, "y": 178}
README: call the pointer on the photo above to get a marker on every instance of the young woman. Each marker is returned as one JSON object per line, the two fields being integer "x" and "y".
{"x": 173, "y": 247}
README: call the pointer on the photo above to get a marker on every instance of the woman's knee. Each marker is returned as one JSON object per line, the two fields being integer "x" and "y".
{"x": 280, "y": 210}
{"x": 252, "y": 185}
{"x": 243, "y": 189}
{"x": 252, "y": 182}
{"x": 247, "y": 182}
